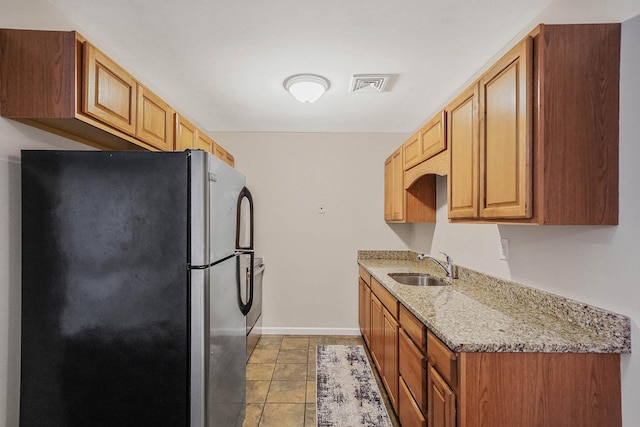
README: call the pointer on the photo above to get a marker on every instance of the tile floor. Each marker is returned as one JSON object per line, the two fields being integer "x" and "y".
{"x": 281, "y": 380}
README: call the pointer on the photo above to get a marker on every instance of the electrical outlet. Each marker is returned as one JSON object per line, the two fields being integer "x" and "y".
{"x": 504, "y": 249}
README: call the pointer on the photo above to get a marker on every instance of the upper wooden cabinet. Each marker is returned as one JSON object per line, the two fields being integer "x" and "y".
{"x": 462, "y": 135}
{"x": 427, "y": 142}
{"x": 155, "y": 120}
{"x": 186, "y": 134}
{"x": 109, "y": 91}
{"x": 394, "y": 194}
{"x": 547, "y": 115}
{"x": 506, "y": 135}
{"x": 46, "y": 82}
{"x": 59, "y": 82}
{"x": 411, "y": 151}
{"x": 490, "y": 142}
{"x": 203, "y": 142}
{"x": 223, "y": 154}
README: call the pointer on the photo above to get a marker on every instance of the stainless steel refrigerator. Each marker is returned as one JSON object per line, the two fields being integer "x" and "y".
{"x": 131, "y": 307}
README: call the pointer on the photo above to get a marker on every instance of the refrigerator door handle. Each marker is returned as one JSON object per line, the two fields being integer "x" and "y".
{"x": 245, "y": 307}
{"x": 244, "y": 220}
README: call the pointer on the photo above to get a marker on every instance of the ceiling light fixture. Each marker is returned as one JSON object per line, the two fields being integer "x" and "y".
{"x": 306, "y": 88}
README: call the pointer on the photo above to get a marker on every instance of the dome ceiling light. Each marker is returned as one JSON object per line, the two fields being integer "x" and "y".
{"x": 306, "y": 88}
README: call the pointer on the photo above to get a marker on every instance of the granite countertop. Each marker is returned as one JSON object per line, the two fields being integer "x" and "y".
{"x": 478, "y": 313}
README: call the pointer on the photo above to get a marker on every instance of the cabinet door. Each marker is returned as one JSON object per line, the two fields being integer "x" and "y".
{"x": 408, "y": 412}
{"x": 229, "y": 159}
{"x": 367, "y": 316}
{"x": 109, "y": 91}
{"x": 442, "y": 401}
{"x": 398, "y": 186}
{"x": 186, "y": 134}
{"x": 155, "y": 120}
{"x": 412, "y": 152}
{"x": 394, "y": 187}
{"x": 388, "y": 185}
{"x": 377, "y": 330}
{"x": 223, "y": 154}
{"x": 203, "y": 142}
{"x": 506, "y": 135}
{"x": 413, "y": 368}
{"x": 362, "y": 302}
{"x": 462, "y": 140}
{"x": 432, "y": 137}
{"x": 390, "y": 357}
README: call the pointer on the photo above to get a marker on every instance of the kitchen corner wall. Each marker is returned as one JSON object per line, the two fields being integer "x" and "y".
{"x": 311, "y": 272}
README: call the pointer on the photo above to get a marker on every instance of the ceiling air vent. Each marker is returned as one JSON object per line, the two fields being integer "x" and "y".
{"x": 363, "y": 83}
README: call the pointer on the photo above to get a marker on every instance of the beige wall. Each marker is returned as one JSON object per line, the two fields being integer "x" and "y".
{"x": 311, "y": 272}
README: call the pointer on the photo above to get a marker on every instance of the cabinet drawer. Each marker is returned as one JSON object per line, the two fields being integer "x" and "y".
{"x": 385, "y": 297}
{"x": 365, "y": 275}
{"x": 442, "y": 359}
{"x": 409, "y": 413}
{"x": 413, "y": 369}
{"x": 414, "y": 328}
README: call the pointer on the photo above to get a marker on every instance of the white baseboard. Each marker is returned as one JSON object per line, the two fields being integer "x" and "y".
{"x": 310, "y": 331}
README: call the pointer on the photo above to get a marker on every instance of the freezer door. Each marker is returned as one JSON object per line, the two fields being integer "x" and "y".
{"x": 218, "y": 347}
{"x": 214, "y": 196}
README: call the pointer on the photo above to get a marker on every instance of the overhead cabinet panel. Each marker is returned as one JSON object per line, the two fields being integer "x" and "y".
{"x": 506, "y": 136}
{"x": 462, "y": 134}
{"x": 155, "y": 120}
{"x": 109, "y": 91}
{"x": 548, "y": 132}
{"x": 432, "y": 136}
{"x": 60, "y": 82}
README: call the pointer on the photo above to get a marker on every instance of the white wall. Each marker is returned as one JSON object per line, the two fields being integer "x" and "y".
{"x": 310, "y": 276}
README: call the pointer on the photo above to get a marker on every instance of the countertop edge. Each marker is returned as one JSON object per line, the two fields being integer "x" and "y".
{"x": 616, "y": 339}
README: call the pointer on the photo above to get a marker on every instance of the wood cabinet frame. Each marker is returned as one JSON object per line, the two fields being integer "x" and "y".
{"x": 59, "y": 82}
{"x": 571, "y": 175}
{"x": 493, "y": 389}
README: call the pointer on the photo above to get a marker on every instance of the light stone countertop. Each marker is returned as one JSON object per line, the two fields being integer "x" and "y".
{"x": 479, "y": 313}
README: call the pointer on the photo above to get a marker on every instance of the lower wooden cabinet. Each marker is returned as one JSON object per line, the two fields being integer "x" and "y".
{"x": 409, "y": 413}
{"x": 429, "y": 384}
{"x": 364, "y": 310}
{"x": 413, "y": 369}
{"x": 442, "y": 401}
{"x": 378, "y": 313}
{"x": 377, "y": 327}
{"x": 390, "y": 357}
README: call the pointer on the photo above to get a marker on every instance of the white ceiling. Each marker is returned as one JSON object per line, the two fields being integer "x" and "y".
{"x": 222, "y": 62}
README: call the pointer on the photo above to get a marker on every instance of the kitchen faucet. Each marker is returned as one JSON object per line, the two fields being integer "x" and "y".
{"x": 449, "y": 269}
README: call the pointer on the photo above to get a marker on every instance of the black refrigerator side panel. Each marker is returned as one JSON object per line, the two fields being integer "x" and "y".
{"x": 104, "y": 289}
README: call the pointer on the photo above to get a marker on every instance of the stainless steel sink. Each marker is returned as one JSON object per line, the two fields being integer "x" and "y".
{"x": 417, "y": 279}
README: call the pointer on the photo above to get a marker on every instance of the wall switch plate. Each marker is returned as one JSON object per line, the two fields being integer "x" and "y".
{"x": 322, "y": 208}
{"x": 504, "y": 249}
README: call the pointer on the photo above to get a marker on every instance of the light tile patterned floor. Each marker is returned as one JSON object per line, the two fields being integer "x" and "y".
{"x": 281, "y": 380}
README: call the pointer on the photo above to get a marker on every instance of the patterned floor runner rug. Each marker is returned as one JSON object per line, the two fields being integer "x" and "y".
{"x": 347, "y": 393}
